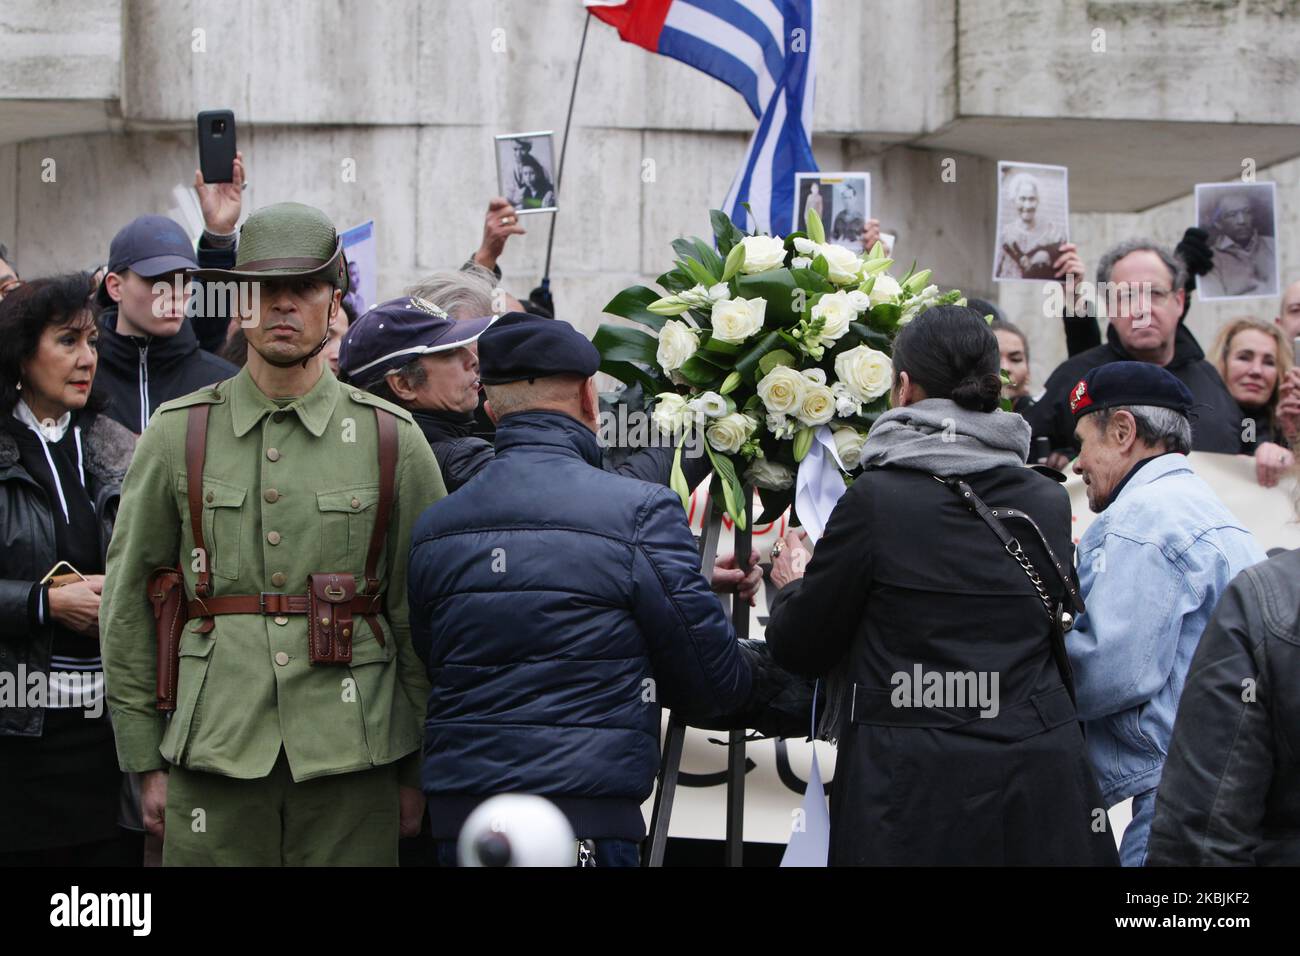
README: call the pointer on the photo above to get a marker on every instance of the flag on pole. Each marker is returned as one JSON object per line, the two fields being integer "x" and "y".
{"x": 763, "y": 49}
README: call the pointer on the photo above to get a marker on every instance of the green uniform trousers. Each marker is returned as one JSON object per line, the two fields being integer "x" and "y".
{"x": 348, "y": 819}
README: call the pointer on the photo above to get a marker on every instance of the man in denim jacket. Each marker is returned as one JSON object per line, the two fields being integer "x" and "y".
{"x": 1152, "y": 568}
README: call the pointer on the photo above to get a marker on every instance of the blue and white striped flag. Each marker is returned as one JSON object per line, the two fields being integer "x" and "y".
{"x": 763, "y": 49}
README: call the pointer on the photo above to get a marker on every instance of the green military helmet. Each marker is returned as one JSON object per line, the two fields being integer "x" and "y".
{"x": 287, "y": 239}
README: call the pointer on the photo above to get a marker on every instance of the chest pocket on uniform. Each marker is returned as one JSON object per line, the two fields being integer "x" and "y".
{"x": 223, "y": 521}
{"x": 347, "y": 518}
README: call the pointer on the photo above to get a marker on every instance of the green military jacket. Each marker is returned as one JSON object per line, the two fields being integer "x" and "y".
{"x": 288, "y": 490}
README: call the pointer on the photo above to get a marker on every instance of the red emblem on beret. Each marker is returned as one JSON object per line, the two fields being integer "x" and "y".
{"x": 1079, "y": 398}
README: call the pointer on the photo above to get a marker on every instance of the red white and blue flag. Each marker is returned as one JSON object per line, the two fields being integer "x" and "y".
{"x": 763, "y": 49}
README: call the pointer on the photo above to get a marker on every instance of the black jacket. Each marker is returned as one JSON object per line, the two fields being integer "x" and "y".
{"x": 462, "y": 455}
{"x": 905, "y": 578}
{"x": 556, "y": 607}
{"x": 27, "y": 549}
{"x": 1230, "y": 792}
{"x": 137, "y": 375}
{"x": 1216, "y": 419}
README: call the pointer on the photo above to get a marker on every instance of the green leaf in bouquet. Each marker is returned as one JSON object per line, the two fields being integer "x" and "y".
{"x": 675, "y": 280}
{"x": 730, "y": 383}
{"x": 699, "y": 372}
{"x": 677, "y": 480}
{"x": 816, "y": 231}
{"x": 720, "y": 351}
{"x": 869, "y": 336}
{"x": 803, "y": 440}
{"x": 747, "y": 364}
{"x": 754, "y": 406}
{"x": 774, "y": 358}
{"x": 873, "y": 266}
{"x": 698, "y": 272}
{"x": 780, "y": 290}
{"x": 735, "y": 260}
{"x": 867, "y": 284}
{"x": 732, "y": 491}
{"x": 710, "y": 259}
{"x": 885, "y": 316}
{"x": 620, "y": 344}
{"x": 812, "y": 283}
{"x": 725, "y": 233}
{"x": 633, "y": 303}
{"x": 628, "y": 373}
{"x": 820, "y": 265}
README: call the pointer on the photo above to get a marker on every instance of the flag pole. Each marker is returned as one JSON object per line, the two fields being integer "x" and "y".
{"x": 564, "y": 147}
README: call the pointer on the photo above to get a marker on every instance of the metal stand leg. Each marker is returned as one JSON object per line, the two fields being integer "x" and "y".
{"x": 735, "y": 854}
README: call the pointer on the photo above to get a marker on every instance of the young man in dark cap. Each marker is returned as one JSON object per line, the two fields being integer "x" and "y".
{"x": 157, "y": 345}
{"x": 1151, "y": 567}
{"x": 286, "y": 500}
{"x": 556, "y": 607}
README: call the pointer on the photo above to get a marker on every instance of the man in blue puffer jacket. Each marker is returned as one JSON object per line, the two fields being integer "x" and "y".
{"x": 556, "y": 607}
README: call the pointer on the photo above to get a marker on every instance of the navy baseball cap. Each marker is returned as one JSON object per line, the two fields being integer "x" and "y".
{"x": 526, "y": 346}
{"x": 392, "y": 333}
{"x": 149, "y": 246}
{"x": 1129, "y": 383}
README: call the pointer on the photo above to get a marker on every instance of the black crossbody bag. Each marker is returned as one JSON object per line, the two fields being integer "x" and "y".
{"x": 1060, "y": 619}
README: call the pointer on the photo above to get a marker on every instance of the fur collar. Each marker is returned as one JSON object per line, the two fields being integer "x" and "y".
{"x": 107, "y": 445}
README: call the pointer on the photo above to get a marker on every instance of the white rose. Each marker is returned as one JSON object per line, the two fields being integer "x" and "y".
{"x": 728, "y": 433}
{"x": 735, "y": 320}
{"x": 886, "y": 289}
{"x": 806, "y": 246}
{"x": 782, "y": 390}
{"x": 677, "y": 342}
{"x": 818, "y": 406}
{"x": 769, "y": 474}
{"x": 671, "y": 414}
{"x": 859, "y": 300}
{"x": 848, "y": 445}
{"x": 865, "y": 372}
{"x": 845, "y": 265}
{"x": 800, "y": 262}
{"x": 762, "y": 254}
{"x": 837, "y": 310}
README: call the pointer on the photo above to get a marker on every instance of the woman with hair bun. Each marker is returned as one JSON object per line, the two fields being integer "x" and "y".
{"x": 947, "y": 686}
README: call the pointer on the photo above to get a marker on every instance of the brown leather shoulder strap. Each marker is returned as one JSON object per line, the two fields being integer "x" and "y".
{"x": 387, "y": 425}
{"x": 196, "y": 446}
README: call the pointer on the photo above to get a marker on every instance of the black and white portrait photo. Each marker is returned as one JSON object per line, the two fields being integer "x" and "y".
{"x": 1241, "y": 220}
{"x": 1033, "y": 221}
{"x": 526, "y": 171}
{"x": 841, "y": 200}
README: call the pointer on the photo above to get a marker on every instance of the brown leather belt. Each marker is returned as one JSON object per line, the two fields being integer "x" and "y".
{"x": 273, "y": 603}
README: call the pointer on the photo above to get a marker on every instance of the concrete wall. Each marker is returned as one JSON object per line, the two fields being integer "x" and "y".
{"x": 412, "y": 91}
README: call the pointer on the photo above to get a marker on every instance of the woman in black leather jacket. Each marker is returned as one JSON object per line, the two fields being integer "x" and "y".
{"x": 61, "y": 468}
{"x": 1230, "y": 792}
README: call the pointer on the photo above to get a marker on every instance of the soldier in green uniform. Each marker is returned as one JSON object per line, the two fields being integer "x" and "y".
{"x": 280, "y": 749}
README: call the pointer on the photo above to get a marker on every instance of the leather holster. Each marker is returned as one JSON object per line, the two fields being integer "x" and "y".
{"x": 329, "y": 617}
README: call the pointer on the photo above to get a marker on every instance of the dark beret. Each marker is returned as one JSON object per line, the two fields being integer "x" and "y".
{"x": 522, "y": 346}
{"x": 1129, "y": 383}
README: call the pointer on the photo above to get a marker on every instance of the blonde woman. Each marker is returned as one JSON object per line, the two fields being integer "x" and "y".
{"x": 1253, "y": 359}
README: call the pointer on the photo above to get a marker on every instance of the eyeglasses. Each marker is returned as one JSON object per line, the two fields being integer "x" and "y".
{"x": 1137, "y": 298}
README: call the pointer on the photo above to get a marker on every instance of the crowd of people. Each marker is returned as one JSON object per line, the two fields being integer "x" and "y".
{"x": 302, "y": 586}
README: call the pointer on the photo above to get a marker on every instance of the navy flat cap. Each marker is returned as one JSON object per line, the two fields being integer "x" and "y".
{"x": 393, "y": 333}
{"x": 521, "y": 346}
{"x": 1129, "y": 383}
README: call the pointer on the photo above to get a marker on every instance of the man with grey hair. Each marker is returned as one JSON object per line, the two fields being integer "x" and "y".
{"x": 1151, "y": 569}
{"x": 1143, "y": 286}
{"x": 1245, "y": 262}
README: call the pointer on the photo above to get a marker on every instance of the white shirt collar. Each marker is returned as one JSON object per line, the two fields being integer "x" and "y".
{"x": 49, "y": 429}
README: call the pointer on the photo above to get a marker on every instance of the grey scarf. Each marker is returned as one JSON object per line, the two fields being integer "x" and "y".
{"x": 935, "y": 436}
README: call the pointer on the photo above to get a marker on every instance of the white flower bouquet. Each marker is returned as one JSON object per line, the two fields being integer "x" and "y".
{"x": 760, "y": 343}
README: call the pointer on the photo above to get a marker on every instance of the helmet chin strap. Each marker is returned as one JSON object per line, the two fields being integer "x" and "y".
{"x": 306, "y": 358}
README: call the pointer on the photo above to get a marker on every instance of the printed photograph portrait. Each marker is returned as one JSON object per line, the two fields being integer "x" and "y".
{"x": 526, "y": 170}
{"x": 1033, "y": 221}
{"x": 842, "y": 200}
{"x": 1241, "y": 219}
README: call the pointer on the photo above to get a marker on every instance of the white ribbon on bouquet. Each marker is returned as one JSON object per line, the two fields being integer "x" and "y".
{"x": 819, "y": 483}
